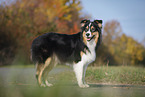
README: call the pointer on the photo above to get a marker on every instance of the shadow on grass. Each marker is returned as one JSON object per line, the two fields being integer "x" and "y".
{"x": 119, "y": 86}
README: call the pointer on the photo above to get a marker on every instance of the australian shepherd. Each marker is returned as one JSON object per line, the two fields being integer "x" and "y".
{"x": 79, "y": 50}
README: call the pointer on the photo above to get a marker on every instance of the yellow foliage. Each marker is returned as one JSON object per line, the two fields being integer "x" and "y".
{"x": 124, "y": 49}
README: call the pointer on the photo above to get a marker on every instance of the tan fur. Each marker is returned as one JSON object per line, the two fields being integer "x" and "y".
{"x": 38, "y": 68}
{"x": 87, "y": 27}
{"x": 81, "y": 54}
{"x": 48, "y": 67}
{"x": 44, "y": 69}
{"x": 92, "y": 27}
{"x": 83, "y": 24}
{"x": 54, "y": 61}
{"x": 100, "y": 25}
{"x": 84, "y": 37}
{"x": 41, "y": 70}
{"x": 96, "y": 36}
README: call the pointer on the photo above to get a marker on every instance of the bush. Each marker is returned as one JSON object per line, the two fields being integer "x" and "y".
{"x": 7, "y": 49}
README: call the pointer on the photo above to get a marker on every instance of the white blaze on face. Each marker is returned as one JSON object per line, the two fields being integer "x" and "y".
{"x": 89, "y": 32}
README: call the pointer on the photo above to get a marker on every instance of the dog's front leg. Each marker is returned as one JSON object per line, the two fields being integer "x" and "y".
{"x": 84, "y": 73}
{"x": 78, "y": 69}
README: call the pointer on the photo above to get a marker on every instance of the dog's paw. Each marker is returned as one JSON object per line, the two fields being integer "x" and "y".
{"x": 84, "y": 86}
{"x": 48, "y": 84}
{"x": 42, "y": 85}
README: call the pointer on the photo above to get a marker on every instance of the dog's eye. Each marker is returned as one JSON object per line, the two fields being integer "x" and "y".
{"x": 86, "y": 29}
{"x": 93, "y": 29}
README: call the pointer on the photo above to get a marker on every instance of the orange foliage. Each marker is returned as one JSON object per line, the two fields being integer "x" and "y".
{"x": 24, "y": 20}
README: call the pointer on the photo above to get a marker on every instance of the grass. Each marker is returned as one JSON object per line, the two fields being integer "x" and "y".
{"x": 116, "y": 75}
{"x": 107, "y": 75}
{"x": 19, "y": 81}
{"x": 102, "y": 74}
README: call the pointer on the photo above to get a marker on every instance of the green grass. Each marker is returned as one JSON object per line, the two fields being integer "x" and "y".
{"x": 100, "y": 75}
{"x": 116, "y": 75}
{"x": 106, "y": 75}
{"x": 19, "y": 81}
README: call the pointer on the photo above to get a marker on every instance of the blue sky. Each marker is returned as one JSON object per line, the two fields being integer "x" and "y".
{"x": 130, "y": 14}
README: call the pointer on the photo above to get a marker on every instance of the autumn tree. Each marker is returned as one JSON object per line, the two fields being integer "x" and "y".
{"x": 124, "y": 49}
{"x": 23, "y": 20}
{"x": 112, "y": 30}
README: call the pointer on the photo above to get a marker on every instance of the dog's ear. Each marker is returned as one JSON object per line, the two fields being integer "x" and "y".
{"x": 83, "y": 22}
{"x": 99, "y": 23}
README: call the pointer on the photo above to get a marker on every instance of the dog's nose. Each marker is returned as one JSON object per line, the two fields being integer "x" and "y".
{"x": 87, "y": 34}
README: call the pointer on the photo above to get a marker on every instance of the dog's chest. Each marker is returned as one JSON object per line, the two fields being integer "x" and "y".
{"x": 90, "y": 56}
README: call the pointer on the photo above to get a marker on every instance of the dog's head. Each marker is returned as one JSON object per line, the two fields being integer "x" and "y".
{"x": 91, "y": 30}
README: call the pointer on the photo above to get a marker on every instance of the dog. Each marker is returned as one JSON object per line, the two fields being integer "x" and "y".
{"x": 79, "y": 50}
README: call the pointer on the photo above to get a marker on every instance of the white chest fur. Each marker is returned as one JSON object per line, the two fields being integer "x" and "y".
{"x": 89, "y": 56}
{"x": 81, "y": 66}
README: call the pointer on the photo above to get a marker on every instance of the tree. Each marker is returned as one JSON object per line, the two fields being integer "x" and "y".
{"x": 112, "y": 30}
{"x": 124, "y": 49}
{"x": 111, "y": 33}
{"x": 131, "y": 50}
{"x": 24, "y": 20}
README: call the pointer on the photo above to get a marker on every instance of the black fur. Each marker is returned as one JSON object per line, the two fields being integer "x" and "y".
{"x": 66, "y": 47}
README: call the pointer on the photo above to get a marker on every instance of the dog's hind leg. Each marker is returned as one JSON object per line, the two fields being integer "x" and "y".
{"x": 39, "y": 68}
{"x": 48, "y": 67}
{"x": 40, "y": 72}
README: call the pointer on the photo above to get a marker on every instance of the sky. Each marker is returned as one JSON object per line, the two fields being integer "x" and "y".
{"x": 130, "y": 14}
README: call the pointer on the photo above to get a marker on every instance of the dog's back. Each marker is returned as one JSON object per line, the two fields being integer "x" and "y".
{"x": 66, "y": 47}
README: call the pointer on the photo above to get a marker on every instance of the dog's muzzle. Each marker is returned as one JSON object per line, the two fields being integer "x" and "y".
{"x": 90, "y": 38}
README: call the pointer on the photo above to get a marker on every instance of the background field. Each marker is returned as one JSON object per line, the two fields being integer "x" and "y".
{"x": 19, "y": 81}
